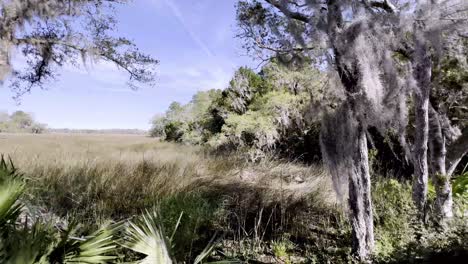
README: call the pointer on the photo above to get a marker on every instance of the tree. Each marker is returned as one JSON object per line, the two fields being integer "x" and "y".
{"x": 344, "y": 141}
{"x": 188, "y": 123}
{"x": 436, "y": 41}
{"x": 448, "y": 125}
{"x": 157, "y": 126}
{"x": 357, "y": 42}
{"x": 49, "y": 34}
{"x": 21, "y": 120}
{"x": 37, "y": 128}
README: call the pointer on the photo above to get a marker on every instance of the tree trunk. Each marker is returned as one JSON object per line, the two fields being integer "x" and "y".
{"x": 351, "y": 152}
{"x": 360, "y": 201}
{"x": 422, "y": 73}
{"x": 344, "y": 147}
{"x": 440, "y": 178}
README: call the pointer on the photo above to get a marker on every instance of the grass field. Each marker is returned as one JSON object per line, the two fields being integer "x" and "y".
{"x": 266, "y": 212}
{"x": 97, "y": 178}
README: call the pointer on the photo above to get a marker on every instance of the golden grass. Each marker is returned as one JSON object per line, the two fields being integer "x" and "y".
{"x": 120, "y": 175}
{"x": 28, "y": 150}
{"x": 95, "y": 178}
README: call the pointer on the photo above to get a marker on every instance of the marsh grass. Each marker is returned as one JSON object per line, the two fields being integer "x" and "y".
{"x": 271, "y": 211}
{"x": 96, "y": 178}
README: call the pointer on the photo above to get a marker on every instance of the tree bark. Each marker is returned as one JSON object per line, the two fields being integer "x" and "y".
{"x": 344, "y": 146}
{"x": 422, "y": 73}
{"x": 360, "y": 201}
{"x": 440, "y": 178}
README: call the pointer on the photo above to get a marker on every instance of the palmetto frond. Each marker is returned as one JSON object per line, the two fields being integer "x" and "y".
{"x": 11, "y": 188}
{"x": 146, "y": 236}
{"x": 94, "y": 249}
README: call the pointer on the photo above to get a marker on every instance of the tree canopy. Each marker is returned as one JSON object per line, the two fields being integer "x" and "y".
{"x": 54, "y": 33}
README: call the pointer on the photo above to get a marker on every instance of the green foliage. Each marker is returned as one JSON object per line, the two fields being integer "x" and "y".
{"x": 401, "y": 238}
{"x": 393, "y": 216}
{"x": 187, "y": 123}
{"x": 252, "y": 131}
{"x": 174, "y": 131}
{"x": 243, "y": 89}
{"x": 281, "y": 249}
{"x": 20, "y": 243}
{"x": 450, "y": 93}
{"x": 460, "y": 193}
{"x": 11, "y": 188}
{"x": 188, "y": 215}
{"x": 146, "y": 235}
{"x": 256, "y": 113}
{"x": 460, "y": 186}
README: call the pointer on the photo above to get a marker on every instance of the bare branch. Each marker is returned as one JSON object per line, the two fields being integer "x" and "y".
{"x": 456, "y": 151}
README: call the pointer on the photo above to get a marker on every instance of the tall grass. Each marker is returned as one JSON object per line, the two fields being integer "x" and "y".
{"x": 271, "y": 211}
{"x": 96, "y": 178}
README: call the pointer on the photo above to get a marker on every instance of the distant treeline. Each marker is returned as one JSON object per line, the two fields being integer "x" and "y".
{"x": 98, "y": 131}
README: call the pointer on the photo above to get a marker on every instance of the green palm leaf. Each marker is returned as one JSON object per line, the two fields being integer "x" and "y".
{"x": 11, "y": 188}
{"x": 146, "y": 236}
{"x": 97, "y": 248}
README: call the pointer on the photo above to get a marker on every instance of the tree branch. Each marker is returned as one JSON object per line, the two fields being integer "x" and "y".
{"x": 457, "y": 151}
{"x": 384, "y": 5}
{"x": 279, "y": 50}
{"x": 289, "y": 13}
{"x": 40, "y": 41}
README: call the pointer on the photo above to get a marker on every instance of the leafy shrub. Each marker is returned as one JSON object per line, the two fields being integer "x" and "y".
{"x": 460, "y": 194}
{"x": 174, "y": 131}
{"x": 394, "y": 216}
{"x": 460, "y": 186}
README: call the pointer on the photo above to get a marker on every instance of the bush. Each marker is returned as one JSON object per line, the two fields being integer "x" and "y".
{"x": 174, "y": 131}
{"x": 394, "y": 216}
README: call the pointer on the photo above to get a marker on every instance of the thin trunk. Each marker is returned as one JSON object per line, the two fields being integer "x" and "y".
{"x": 422, "y": 72}
{"x": 440, "y": 178}
{"x": 360, "y": 201}
{"x": 457, "y": 151}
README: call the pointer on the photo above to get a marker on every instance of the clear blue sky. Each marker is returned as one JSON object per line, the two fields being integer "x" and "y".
{"x": 194, "y": 41}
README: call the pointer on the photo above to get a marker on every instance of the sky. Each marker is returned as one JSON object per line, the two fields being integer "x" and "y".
{"x": 194, "y": 42}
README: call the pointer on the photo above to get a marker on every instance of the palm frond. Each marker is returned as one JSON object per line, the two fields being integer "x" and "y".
{"x": 146, "y": 236}
{"x": 207, "y": 251}
{"x": 11, "y": 188}
{"x": 10, "y": 192}
{"x": 27, "y": 245}
{"x": 97, "y": 248}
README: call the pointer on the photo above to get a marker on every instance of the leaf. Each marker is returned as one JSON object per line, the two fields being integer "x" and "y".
{"x": 94, "y": 249}
{"x": 146, "y": 236}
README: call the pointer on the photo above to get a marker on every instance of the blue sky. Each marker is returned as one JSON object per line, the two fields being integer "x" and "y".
{"x": 195, "y": 43}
